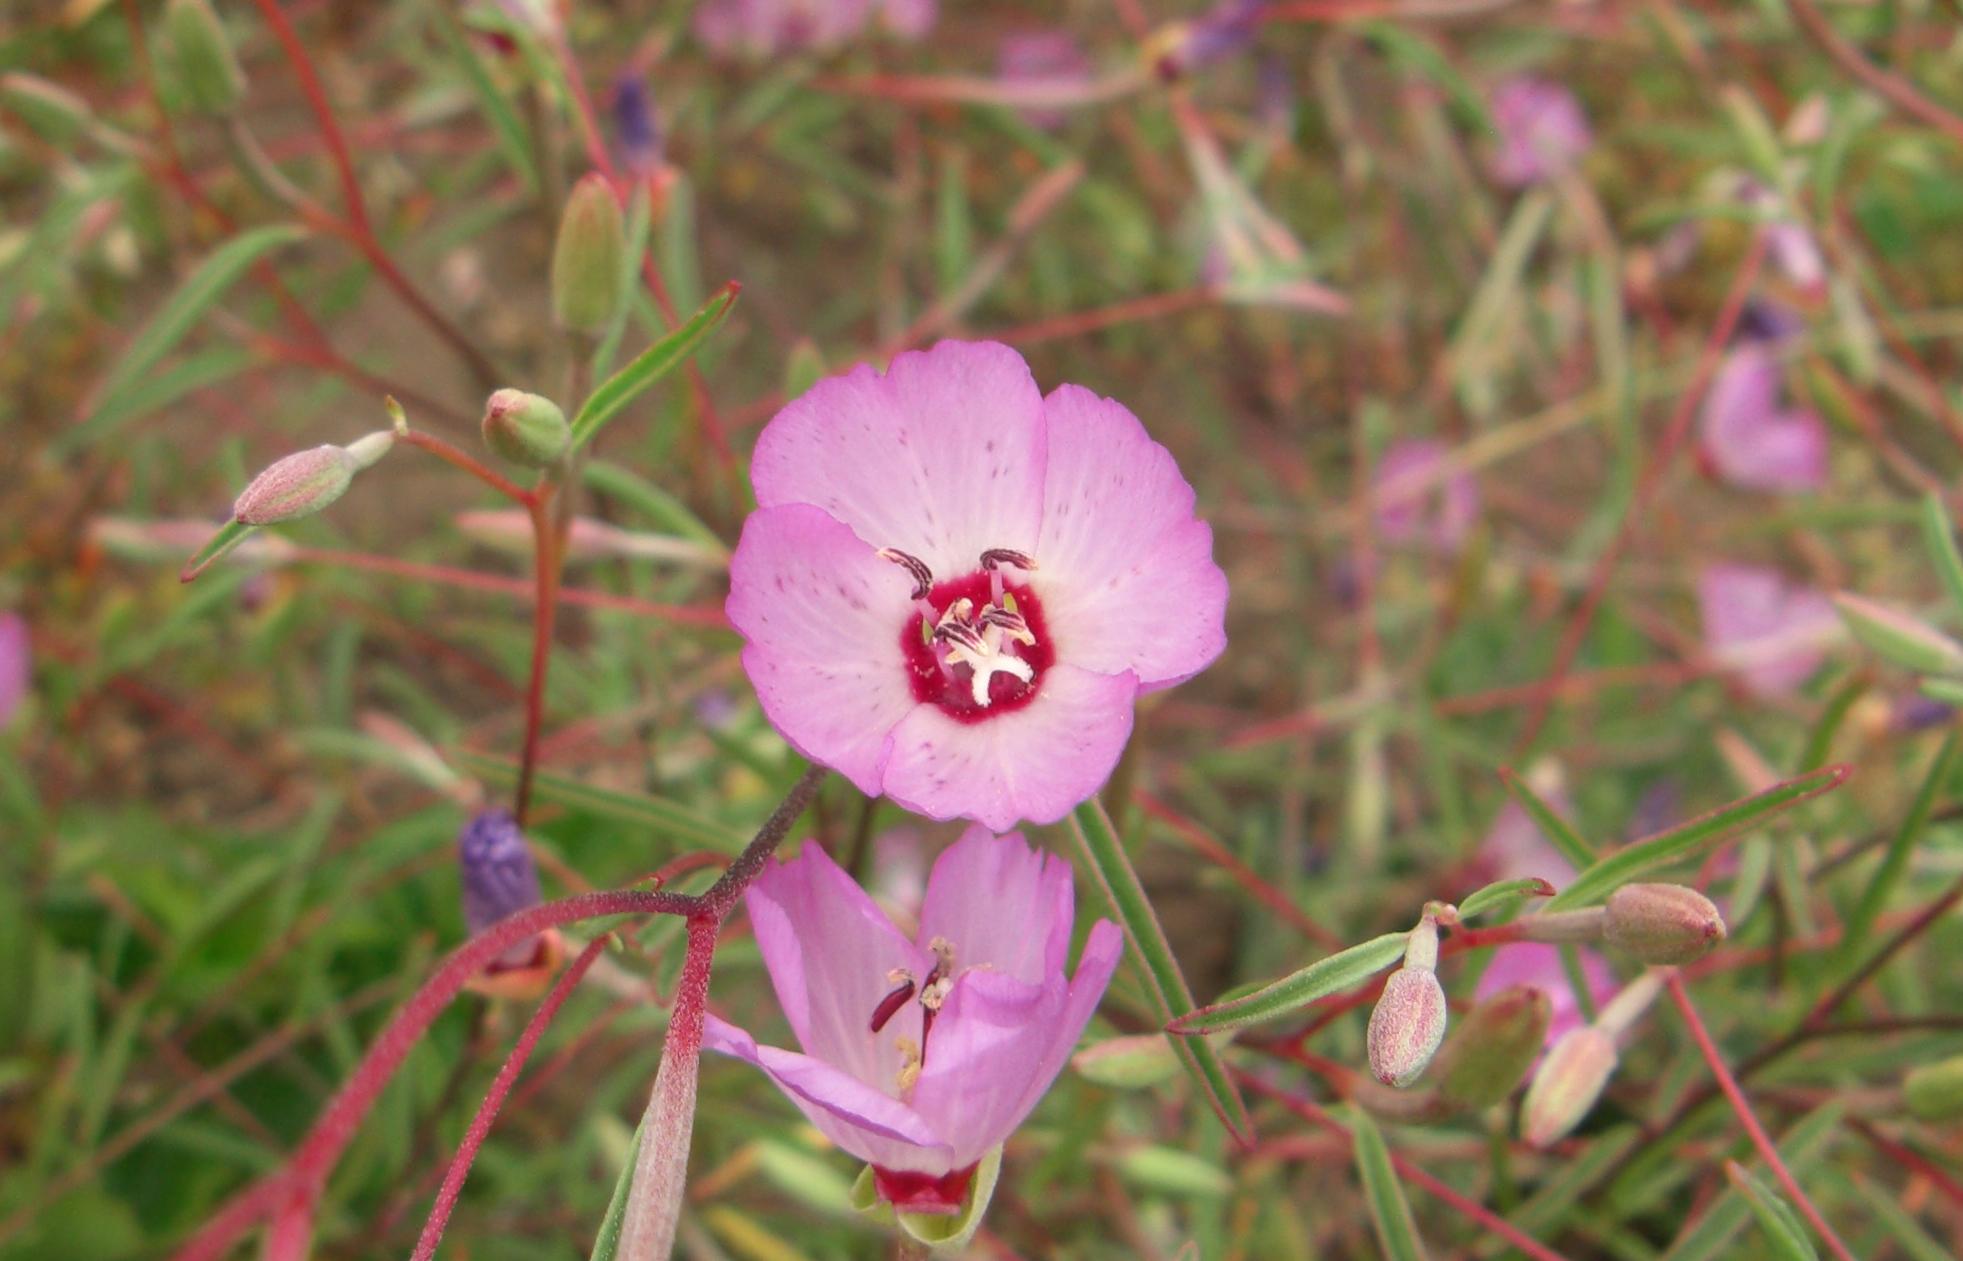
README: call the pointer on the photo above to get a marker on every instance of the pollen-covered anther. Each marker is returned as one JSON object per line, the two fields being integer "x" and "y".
{"x": 1013, "y": 624}
{"x": 923, "y": 577}
{"x": 995, "y": 557}
{"x": 910, "y": 1063}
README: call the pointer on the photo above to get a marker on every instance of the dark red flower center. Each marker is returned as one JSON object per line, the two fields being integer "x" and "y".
{"x": 974, "y": 631}
{"x": 911, "y": 1192}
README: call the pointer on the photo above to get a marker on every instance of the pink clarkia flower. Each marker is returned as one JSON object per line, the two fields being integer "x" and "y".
{"x": 1748, "y": 440}
{"x": 954, "y": 588}
{"x": 1418, "y": 502}
{"x": 921, "y": 1056}
{"x": 1772, "y": 632}
{"x": 16, "y": 665}
{"x": 1541, "y": 128}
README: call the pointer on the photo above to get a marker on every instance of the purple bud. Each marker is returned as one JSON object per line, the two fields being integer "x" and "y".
{"x": 299, "y": 485}
{"x": 1406, "y": 1026}
{"x": 498, "y": 876}
{"x": 642, "y": 145}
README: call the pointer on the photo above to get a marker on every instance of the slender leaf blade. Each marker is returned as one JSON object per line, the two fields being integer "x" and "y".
{"x": 1118, "y": 880}
{"x": 1687, "y": 839}
{"x": 1390, "y": 1211}
{"x": 654, "y": 363}
{"x": 1894, "y": 861}
{"x": 1558, "y": 830}
{"x": 1503, "y": 893}
{"x": 229, "y": 536}
{"x": 1298, "y": 989}
{"x": 607, "y": 1242}
{"x": 1782, "y": 1227}
{"x": 1940, "y": 537}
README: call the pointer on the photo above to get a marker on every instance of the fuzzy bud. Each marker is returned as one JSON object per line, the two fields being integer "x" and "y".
{"x": 1569, "y": 1082}
{"x": 207, "y": 72}
{"x": 1493, "y": 1048}
{"x": 586, "y": 260}
{"x": 1935, "y": 1091}
{"x": 1902, "y": 639}
{"x": 1662, "y": 923}
{"x": 499, "y": 878}
{"x": 298, "y": 486}
{"x": 525, "y": 428}
{"x": 1406, "y": 1026}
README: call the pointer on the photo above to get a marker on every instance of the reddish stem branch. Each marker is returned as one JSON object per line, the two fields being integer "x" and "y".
{"x": 547, "y": 556}
{"x": 1743, "y": 1109}
{"x": 472, "y": 465}
{"x": 1649, "y": 482}
{"x": 487, "y": 1112}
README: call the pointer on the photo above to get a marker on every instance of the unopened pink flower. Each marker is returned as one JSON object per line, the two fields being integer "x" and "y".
{"x": 921, "y": 1056}
{"x": 1418, "y": 501}
{"x": 1538, "y": 964}
{"x": 1748, "y": 440}
{"x": 1772, "y": 632}
{"x": 16, "y": 665}
{"x": 954, "y": 588}
{"x": 1542, "y": 131}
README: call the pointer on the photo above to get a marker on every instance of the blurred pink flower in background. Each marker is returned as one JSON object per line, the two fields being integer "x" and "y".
{"x": 1745, "y": 436}
{"x": 1771, "y": 632}
{"x": 1418, "y": 502}
{"x": 1789, "y": 243}
{"x": 1542, "y": 131}
{"x": 16, "y": 665}
{"x": 1042, "y": 59}
{"x": 953, "y": 588}
{"x": 764, "y": 27}
{"x": 921, "y": 1056}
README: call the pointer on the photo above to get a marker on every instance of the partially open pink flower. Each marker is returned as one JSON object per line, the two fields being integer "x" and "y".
{"x": 1419, "y": 501}
{"x": 953, "y": 587}
{"x": 1748, "y": 440}
{"x": 1773, "y": 633}
{"x": 921, "y": 1056}
{"x": 1541, "y": 128}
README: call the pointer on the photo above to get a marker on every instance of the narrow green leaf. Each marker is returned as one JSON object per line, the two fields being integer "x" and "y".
{"x": 1948, "y": 691}
{"x": 1503, "y": 894}
{"x": 1119, "y": 882}
{"x": 511, "y": 135}
{"x": 664, "y": 508}
{"x": 666, "y": 817}
{"x": 1894, "y": 861}
{"x": 607, "y": 1241}
{"x": 1558, "y": 830}
{"x": 229, "y": 536}
{"x": 1298, "y": 989}
{"x": 155, "y": 390}
{"x": 199, "y": 292}
{"x": 1916, "y": 1243}
{"x": 654, "y": 363}
{"x": 1688, "y": 839}
{"x": 1940, "y": 537}
{"x": 1427, "y": 61}
{"x": 1709, "y": 1237}
{"x": 1782, "y": 1227}
{"x": 1390, "y": 1212}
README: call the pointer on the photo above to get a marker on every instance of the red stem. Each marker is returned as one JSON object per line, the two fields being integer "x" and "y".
{"x": 451, "y": 576}
{"x": 545, "y": 604}
{"x": 472, "y": 465}
{"x": 487, "y": 1112}
{"x": 1743, "y": 1109}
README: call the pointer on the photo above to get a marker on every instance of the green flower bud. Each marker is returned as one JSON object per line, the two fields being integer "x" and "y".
{"x": 1492, "y": 1048}
{"x": 586, "y": 260}
{"x": 201, "y": 57}
{"x": 1662, "y": 923}
{"x": 1569, "y": 1082}
{"x": 298, "y": 486}
{"x": 50, "y": 111}
{"x": 525, "y": 428}
{"x": 1935, "y": 1091}
{"x": 1406, "y": 1026}
{"x": 1902, "y": 639}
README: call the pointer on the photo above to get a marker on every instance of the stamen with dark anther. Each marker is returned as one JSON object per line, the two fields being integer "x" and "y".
{"x": 890, "y": 1005}
{"x": 996, "y": 556}
{"x": 1011, "y": 622}
{"x": 923, "y": 577}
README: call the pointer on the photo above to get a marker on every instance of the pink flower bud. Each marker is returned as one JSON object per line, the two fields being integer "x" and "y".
{"x": 1662, "y": 923}
{"x": 525, "y": 428}
{"x": 1569, "y": 1082}
{"x": 298, "y": 486}
{"x": 1493, "y": 1048}
{"x": 1406, "y": 1026}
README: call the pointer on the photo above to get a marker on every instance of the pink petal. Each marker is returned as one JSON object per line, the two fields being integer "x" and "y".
{"x": 1748, "y": 440}
{"x": 1126, "y": 572}
{"x": 942, "y": 457}
{"x": 1036, "y": 763}
{"x": 1417, "y": 503}
{"x": 823, "y": 616}
{"x": 909, "y": 19}
{"x": 998, "y": 1044}
{"x": 829, "y": 950}
{"x": 1515, "y": 848}
{"x": 1774, "y": 634}
{"x": 1000, "y": 903}
{"x": 16, "y": 664}
{"x": 866, "y": 1122}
